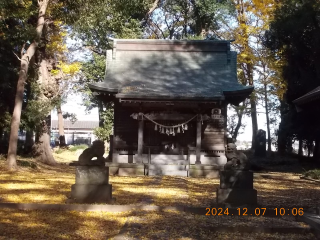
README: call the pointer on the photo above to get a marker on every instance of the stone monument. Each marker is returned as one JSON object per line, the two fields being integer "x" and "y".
{"x": 236, "y": 180}
{"x": 261, "y": 143}
{"x": 92, "y": 176}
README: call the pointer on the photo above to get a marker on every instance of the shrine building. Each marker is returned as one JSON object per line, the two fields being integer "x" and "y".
{"x": 170, "y": 105}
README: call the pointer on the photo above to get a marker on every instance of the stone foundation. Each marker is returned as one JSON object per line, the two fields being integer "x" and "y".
{"x": 236, "y": 188}
{"x": 238, "y": 196}
{"x": 91, "y": 193}
{"x": 129, "y": 169}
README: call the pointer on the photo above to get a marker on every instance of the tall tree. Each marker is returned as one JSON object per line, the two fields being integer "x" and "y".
{"x": 294, "y": 35}
{"x": 24, "y": 67}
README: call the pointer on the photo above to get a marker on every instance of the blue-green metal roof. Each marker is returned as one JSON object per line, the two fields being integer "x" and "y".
{"x": 163, "y": 68}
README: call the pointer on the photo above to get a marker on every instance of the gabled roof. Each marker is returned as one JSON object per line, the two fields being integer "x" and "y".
{"x": 166, "y": 69}
{"x": 308, "y": 97}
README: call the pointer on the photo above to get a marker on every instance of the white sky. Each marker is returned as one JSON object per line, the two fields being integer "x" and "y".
{"x": 247, "y": 133}
{"x": 74, "y": 105}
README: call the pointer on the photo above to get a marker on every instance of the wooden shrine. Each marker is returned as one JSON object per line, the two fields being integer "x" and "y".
{"x": 170, "y": 103}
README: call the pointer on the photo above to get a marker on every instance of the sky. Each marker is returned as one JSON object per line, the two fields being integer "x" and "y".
{"x": 74, "y": 105}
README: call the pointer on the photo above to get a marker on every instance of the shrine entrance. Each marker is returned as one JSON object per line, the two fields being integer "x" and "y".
{"x": 168, "y": 140}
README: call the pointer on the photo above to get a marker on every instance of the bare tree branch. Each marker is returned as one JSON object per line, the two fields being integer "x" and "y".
{"x": 16, "y": 55}
{"x": 22, "y": 50}
{"x": 154, "y": 6}
{"x": 162, "y": 33}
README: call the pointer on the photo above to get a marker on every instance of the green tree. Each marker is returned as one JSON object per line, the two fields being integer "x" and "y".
{"x": 294, "y": 36}
{"x": 94, "y": 71}
{"x": 26, "y": 56}
{"x": 180, "y": 19}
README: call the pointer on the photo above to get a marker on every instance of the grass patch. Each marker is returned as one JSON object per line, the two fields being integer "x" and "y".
{"x": 23, "y": 163}
{"x": 315, "y": 174}
{"x": 77, "y": 147}
{"x": 59, "y": 151}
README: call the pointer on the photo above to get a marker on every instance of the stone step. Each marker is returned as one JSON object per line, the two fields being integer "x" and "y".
{"x": 155, "y": 157}
{"x": 158, "y": 172}
{"x": 168, "y": 167}
{"x": 168, "y": 161}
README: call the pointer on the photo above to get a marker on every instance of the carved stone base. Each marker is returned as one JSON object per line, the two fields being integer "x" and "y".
{"x": 92, "y": 175}
{"x": 91, "y": 193}
{"x": 237, "y": 196}
{"x": 92, "y": 185}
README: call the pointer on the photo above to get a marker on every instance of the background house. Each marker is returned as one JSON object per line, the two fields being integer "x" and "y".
{"x": 79, "y": 132}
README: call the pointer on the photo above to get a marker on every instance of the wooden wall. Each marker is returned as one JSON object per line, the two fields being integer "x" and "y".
{"x": 125, "y": 129}
{"x": 126, "y": 133}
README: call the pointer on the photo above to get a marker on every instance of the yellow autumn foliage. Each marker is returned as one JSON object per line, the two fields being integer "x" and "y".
{"x": 252, "y": 20}
{"x": 69, "y": 69}
{"x": 56, "y": 40}
{"x": 56, "y": 47}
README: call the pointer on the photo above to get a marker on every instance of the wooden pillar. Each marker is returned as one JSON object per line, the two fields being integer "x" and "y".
{"x": 140, "y": 138}
{"x": 111, "y": 148}
{"x": 316, "y": 150}
{"x": 198, "y": 146}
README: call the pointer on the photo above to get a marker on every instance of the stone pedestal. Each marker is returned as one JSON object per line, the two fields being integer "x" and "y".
{"x": 92, "y": 185}
{"x": 236, "y": 188}
{"x": 261, "y": 143}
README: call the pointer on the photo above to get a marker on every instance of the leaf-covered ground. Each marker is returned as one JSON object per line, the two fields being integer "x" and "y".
{"x": 44, "y": 184}
{"x": 177, "y": 225}
{"x": 15, "y": 224}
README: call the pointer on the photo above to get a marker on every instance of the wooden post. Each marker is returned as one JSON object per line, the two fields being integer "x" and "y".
{"x": 198, "y": 146}
{"x": 140, "y": 138}
{"x": 188, "y": 159}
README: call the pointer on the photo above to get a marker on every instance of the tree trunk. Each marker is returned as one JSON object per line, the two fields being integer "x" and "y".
{"x": 25, "y": 60}
{"x": 1, "y": 133}
{"x": 282, "y": 133}
{"x": 316, "y": 152}
{"x": 29, "y": 142}
{"x": 42, "y": 148}
{"x": 309, "y": 148}
{"x": 62, "y": 138}
{"x": 2, "y": 141}
{"x": 254, "y": 120}
{"x": 240, "y": 112}
{"x": 267, "y": 117}
{"x": 100, "y": 109}
{"x": 300, "y": 153}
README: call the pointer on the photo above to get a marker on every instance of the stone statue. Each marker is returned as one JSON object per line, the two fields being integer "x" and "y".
{"x": 235, "y": 160}
{"x": 96, "y": 150}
